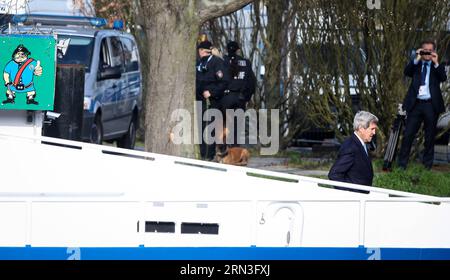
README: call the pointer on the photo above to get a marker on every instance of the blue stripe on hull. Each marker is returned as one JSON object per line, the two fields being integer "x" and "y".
{"x": 220, "y": 253}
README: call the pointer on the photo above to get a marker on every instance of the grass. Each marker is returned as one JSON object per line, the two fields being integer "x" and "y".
{"x": 139, "y": 143}
{"x": 416, "y": 179}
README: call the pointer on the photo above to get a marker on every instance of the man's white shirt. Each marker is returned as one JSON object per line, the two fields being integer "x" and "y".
{"x": 362, "y": 143}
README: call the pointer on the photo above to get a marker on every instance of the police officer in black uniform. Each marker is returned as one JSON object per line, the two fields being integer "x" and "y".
{"x": 211, "y": 82}
{"x": 242, "y": 83}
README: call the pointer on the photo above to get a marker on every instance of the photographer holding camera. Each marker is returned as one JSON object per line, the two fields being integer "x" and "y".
{"x": 423, "y": 101}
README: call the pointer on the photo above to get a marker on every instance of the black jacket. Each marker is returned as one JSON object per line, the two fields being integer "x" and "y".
{"x": 211, "y": 75}
{"x": 437, "y": 76}
{"x": 353, "y": 165}
{"x": 242, "y": 78}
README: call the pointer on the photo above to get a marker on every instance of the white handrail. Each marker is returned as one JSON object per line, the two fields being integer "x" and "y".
{"x": 225, "y": 168}
{"x": 61, "y": 194}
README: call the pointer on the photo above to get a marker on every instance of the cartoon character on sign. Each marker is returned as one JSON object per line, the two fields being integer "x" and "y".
{"x": 19, "y": 74}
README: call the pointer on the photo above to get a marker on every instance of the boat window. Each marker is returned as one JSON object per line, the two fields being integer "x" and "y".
{"x": 151, "y": 226}
{"x": 200, "y": 228}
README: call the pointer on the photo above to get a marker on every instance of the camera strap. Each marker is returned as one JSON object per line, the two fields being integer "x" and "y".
{"x": 200, "y": 66}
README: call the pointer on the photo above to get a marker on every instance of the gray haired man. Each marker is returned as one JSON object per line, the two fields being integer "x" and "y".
{"x": 354, "y": 164}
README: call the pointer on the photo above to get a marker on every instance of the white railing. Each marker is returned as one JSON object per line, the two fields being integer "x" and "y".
{"x": 393, "y": 195}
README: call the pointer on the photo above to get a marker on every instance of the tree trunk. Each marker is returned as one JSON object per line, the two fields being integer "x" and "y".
{"x": 274, "y": 58}
{"x": 171, "y": 76}
{"x": 172, "y": 27}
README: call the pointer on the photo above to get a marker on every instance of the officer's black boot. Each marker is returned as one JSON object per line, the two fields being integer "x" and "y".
{"x": 9, "y": 99}
{"x": 30, "y": 100}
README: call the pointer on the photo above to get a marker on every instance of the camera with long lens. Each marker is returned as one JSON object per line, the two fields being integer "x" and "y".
{"x": 425, "y": 53}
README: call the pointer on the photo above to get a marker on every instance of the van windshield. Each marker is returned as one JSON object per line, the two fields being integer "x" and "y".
{"x": 75, "y": 50}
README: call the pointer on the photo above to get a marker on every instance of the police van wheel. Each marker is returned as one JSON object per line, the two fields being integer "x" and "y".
{"x": 97, "y": 131}
{"x": 129, "y": 139}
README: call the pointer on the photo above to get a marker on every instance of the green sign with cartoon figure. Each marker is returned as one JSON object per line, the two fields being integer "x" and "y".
{"x": 28, "y": 63}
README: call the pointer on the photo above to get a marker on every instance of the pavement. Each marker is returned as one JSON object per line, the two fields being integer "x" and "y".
{"x": 278, "y": 164}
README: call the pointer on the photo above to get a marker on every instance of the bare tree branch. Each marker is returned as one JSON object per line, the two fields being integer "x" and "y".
{"x": 214, "y": 8}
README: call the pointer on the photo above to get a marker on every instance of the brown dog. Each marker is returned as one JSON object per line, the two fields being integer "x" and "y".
{"x": 231, "y": 155}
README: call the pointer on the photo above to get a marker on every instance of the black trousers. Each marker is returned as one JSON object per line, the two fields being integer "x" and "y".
{"x": 207, "y": 151}
{"x": 422, "y": 112}
{"x": 234, "y": 102}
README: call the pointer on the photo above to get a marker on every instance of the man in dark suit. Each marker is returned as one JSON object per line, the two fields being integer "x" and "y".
{"x": 423, "y": 102}
{"x": 354, "y": 164}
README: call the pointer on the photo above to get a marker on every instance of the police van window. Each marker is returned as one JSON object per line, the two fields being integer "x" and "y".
{"x": 116, "y": 52}
{"x": 104, "y": 55}
{"x": 131, "y": 55}
{"x": 75, "y": 50}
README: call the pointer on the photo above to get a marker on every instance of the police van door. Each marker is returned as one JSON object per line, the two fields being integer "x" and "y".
{"x": 121, "y": 111}
{"x": 133, "y": 76}
{"x": 105, "y": 89}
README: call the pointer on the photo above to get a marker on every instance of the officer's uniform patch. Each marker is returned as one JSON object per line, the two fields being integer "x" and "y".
{"x": 219, "y": 74}
{"x": 242, "y": 63}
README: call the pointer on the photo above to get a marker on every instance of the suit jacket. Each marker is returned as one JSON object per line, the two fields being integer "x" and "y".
{"x": 353, "y": 165}
{"x": 437, "y": 76}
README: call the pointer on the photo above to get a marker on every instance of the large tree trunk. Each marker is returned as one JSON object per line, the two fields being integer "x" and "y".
{"x": 172, "y": 28}
{"x": 274, "y": 42}
{"x": 171, "y": 76}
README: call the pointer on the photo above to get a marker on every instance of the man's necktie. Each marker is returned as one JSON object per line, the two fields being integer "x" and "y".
{"x": 423, "y": 74}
